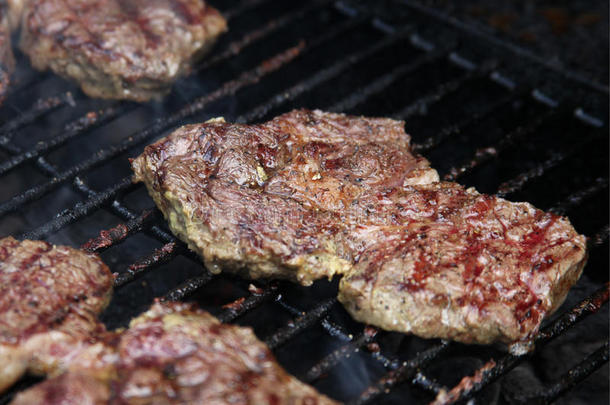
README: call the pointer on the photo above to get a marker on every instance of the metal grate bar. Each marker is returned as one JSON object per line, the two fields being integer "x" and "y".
{"x": 426, "y": 383}
{"x": 419, "y": 106}
{"x": 188, "y": 287}
{"x": 450, "y": 130}
{"x": 483, "y": 155}
{"x": 575, "y": 199}
{"x": 300, "y": 324}
{"x": 80, "y": 210}
{"x": 235, "y": 47}
{"x": 567, "y": 381}
{"x": 345, "y": 351}
{"x": 320, "y": 77}
{"x": 239, "y": 307}
{"x": 160, "y": 124}
{"x": 159, "y": 256}
{"x": 38, "y": 110}
{"x": 494, "y": 369}
{"x": 384, "y": 81}
{"x": 517, "y": 182}
{"x": 600, "y": 237}
{"x": 75, "y": 128}
{"x": 405, "y": 372}
{"x": 119, "y": 233}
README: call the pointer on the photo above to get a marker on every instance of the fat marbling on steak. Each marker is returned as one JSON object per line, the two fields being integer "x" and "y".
{"x": 121, "y": 49}
{"x": 270, "y": 200}
{"x": 176, "y": 354}
{"x": 49, "y": 300}
{"x": 312, "y": 194}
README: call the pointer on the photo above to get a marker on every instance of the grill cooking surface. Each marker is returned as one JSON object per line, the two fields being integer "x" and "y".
{"x": 485, "y": 113}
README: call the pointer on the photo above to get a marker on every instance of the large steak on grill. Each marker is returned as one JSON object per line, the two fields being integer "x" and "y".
{"x": 312, "y": 194}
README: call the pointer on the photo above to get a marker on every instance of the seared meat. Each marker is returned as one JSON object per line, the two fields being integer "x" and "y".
{"x": 7, "y": 61}
{"x": 122, "y": 49}
{"x": 271, "y": 200}
{"x": 461, "y": 265}
{"x": 176, "y": 354}
{"x": 49, "y": 299}
{"x": 311, "y": 194}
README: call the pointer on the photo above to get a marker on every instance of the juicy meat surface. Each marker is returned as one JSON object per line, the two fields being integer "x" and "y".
{"x": 49, "y": 300}
{"x": 461, "y": 265}
{"x": 312, "y": 194}
{"x": 121, "y": 49}
{"x": 7, "y": 60}
{"x": 175, "y": 354}
{"x": 271, "y": 200}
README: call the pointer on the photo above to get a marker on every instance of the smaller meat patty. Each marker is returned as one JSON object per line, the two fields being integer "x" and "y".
{"x": 462, "y": 265}
{"x": 120, "y": 49}
{"x": 176, "y": 354}
{"x": 49, "y": 300}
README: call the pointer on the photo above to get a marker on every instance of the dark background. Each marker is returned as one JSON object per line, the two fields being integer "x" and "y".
{"x": 569, "y": 33}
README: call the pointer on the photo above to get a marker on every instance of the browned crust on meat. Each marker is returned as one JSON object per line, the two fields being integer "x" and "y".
{"x": 132, "y": 49}
{"x": 49, "y": 300}
{"x": 269, "y": 200}
{"x": 175, "y": 354}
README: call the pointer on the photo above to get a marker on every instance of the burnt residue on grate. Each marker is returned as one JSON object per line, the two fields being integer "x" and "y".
{"x": 485, "y": 114}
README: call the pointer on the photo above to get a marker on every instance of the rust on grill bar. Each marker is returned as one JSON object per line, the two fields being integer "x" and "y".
{"x": 239, "y": 307}
{"x": 162, "y": 255}
{"x": 119, "y": 233}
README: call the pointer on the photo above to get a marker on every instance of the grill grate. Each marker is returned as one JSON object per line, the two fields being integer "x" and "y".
{"x": 431, "y": 78}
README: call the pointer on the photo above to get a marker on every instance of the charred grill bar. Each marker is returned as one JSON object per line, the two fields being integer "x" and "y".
{"x": 456, "y": 71}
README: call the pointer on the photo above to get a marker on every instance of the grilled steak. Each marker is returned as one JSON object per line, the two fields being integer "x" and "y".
{"x": 7, "y": 61}
{"x": 122, "y": 49}
{"x": 311, "y": 194}
{"x": 49, "y": 299}
{"x": 461, "y": 265}
{"x": 176, "y": 354}
{"x": 270, "y": 200}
